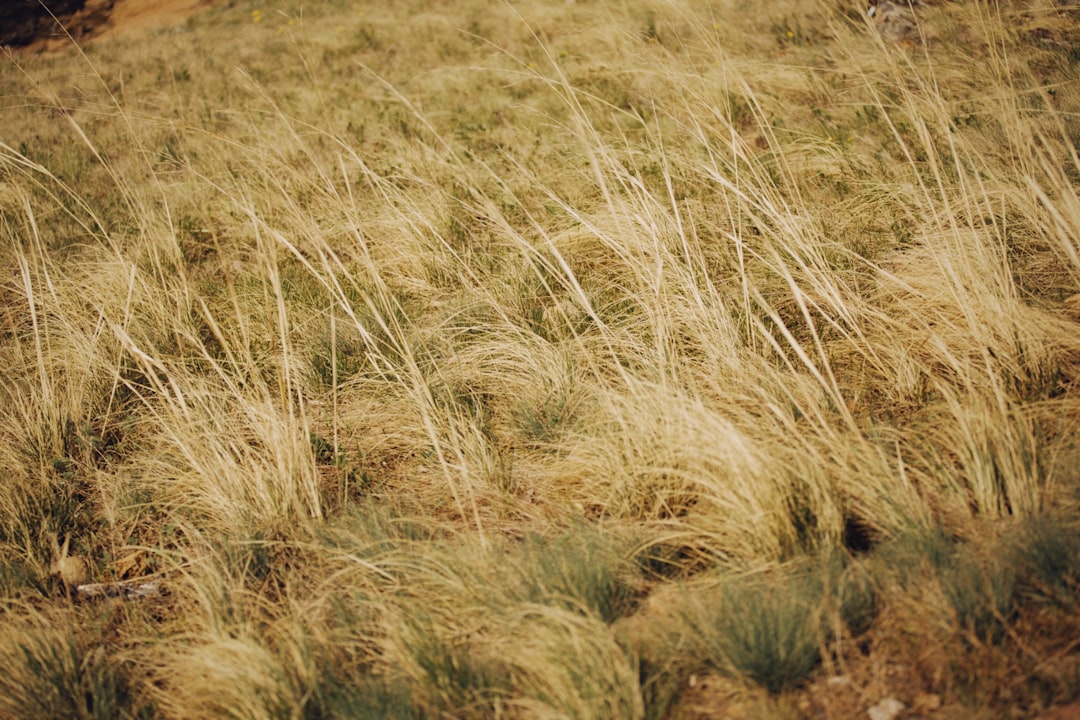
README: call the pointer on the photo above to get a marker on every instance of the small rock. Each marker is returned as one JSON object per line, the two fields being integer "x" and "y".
{"x": 895, "y": 21}
{"x": 126, "y": 591}
{"x": 71, "y": 571}
{"x": 887, "y": 709}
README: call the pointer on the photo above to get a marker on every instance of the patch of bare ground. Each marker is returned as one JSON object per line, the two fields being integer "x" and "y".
{"x": 43, "y": 30}
{"x": 134, "y": 16}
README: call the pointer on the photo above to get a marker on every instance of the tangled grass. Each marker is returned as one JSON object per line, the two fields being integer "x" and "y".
{"x": 543, "y": 360}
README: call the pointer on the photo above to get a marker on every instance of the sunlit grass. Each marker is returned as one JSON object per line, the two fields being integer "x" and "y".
{"x": 541, "y": 360}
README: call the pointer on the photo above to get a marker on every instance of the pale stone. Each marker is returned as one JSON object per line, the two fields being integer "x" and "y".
{"x": 887, "y": 709}
{"x": 71, "y": 571}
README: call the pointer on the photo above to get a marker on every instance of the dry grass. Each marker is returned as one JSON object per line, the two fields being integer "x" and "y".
{"x": 458, "y": 360}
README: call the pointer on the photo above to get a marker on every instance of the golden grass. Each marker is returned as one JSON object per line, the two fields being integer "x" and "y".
{"x": 443, "y": 360}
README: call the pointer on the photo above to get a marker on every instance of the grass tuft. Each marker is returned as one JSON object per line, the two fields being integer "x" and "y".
{"x": 582, "y": 570}
{"x": 55, "y": 670}
{"x": 764, "y": 629}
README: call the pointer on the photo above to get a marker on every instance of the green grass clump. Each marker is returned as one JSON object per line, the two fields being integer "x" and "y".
{"x": 56, "y": 670}
{"x": 1046, "y": 553}
{"x": 582, "y": 570}
{"x": 982, "y": 594}
{"x": 767, "y": 630}
{"x": 770, "y": 628}
{"x": 455, "y": 676}
{"x": 373, "y": 699}
{"x": 858, "y": 597}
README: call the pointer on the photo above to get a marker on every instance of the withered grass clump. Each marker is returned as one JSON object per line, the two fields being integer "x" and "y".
{"x": 543, "y": 360}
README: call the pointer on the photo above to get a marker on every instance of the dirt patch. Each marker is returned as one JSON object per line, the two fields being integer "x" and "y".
{"x": 133, "y": 16}
{"x": 31, "y": 25}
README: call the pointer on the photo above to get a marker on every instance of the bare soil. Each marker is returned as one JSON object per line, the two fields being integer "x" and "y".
{"x": 30, "y": 26}
{"x": 133, "y": 16}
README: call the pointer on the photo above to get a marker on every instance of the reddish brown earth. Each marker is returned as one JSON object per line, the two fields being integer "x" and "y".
{"x": 28, "y": 24}
{"x": 132, "y": 16}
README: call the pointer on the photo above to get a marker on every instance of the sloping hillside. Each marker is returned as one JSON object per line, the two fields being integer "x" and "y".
{"x": 542, "y": 359}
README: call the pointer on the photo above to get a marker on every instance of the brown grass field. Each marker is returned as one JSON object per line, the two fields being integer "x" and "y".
{"x": 543, "y": 359}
